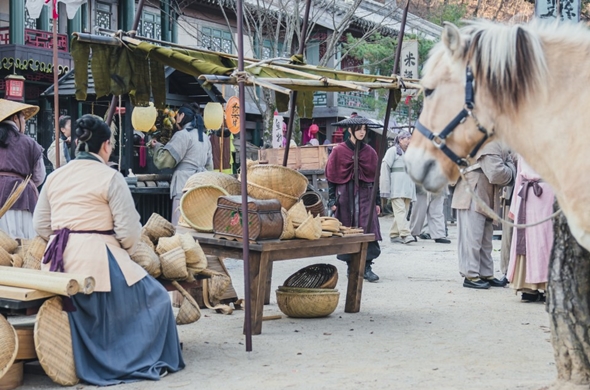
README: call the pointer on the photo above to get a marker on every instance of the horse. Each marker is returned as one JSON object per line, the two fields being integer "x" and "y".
{"x": 526, "y": 85}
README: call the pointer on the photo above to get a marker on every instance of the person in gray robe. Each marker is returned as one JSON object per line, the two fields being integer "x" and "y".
{"x": 429, "y": 208}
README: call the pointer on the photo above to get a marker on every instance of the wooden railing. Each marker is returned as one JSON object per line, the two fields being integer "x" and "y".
{"x": 37, "y": 38}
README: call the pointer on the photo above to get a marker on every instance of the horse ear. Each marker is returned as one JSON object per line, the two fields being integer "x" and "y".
{"x": 451, "y": 38}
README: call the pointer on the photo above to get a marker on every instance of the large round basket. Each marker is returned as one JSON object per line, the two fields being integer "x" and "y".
{"x": 219, "y": 179}
{"x": 307, "y": 304}
{"x": 8, "y": 345}
{"x": 260, "y": 192}
{"x": 198, "y": 205}
{"x": 278, "y": 178}
{"x": 314, "y": 276}
{"x": 313, "y": 203}
{"x": 53, "y": 343}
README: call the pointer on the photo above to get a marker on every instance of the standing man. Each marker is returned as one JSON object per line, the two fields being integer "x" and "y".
{"x": 65, "y": 127}
{"x": 492, "y": 170}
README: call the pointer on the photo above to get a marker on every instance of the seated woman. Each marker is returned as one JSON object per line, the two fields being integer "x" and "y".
{"x": 125, "y": 331}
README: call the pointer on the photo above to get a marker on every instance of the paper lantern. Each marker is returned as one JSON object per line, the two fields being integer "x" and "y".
{"x": 15, "y": 88}
{"x": 144, "y": 118}
{"x": 213, "y": 116}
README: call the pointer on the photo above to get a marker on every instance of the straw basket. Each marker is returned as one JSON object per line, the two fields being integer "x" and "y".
{"x": 221, "y": 180}
{"x": 5, "y": 258}
{"x": 17, "y": 260}
{"x": 189, "y": 309}
{"x": 314, "y": 276}
{"x": 157, "y": 226}
{"x": 313, "y": 203}
{"x": 147, "y": 259}
{"x": 8, "y": 243}
{"x": 166, "y": 244}
{"x": 8, "y": 345}
{"x": 198, "y": 205}
{"x": 53, "y": 343}
{"x": 196, "y": 260}
{"x": 310, "y": 229}
{"x": 31, "y": 262}
{"x": 288, "y": 229}
{"x": 145, "y": 239}
{"x": 174, "y": 264}
{"x": 298, "y": 213}
{"x": 307, "y": 304}
{"x": 264, "y": 193}
{"x": 278, "y": 178}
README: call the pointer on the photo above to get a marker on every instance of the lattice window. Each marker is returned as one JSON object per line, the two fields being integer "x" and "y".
{"x": 103, "y": 16}
{"x": 267, "y": 50}
{"x": 150, "y": 26}
{"x": 29, "y": 22}
{"x": 216, "y": 40}
{"x": 31, "y": 127}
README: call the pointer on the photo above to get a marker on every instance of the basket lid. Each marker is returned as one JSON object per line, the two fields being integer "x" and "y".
{"x": 53, "y": 343}
{"x": 8, "y": 345}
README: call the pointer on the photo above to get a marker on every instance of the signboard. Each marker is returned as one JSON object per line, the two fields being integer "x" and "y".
{"x": 409, "y": 63}
{"x": 232, "y": 115}
{"x": 277, "y": 131}
{"x": 568, "y": 9}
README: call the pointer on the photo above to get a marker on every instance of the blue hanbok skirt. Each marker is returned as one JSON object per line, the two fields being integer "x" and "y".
{"x": 125, "y": 335}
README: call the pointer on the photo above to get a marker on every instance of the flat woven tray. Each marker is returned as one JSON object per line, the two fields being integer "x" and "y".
{"x": 314, "y": 276}
{"x": 8, "y": 345}
{"x": 53, "y": 343}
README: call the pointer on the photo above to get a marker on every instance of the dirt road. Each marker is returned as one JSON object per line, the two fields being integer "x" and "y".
{"x": 418, "y": 329}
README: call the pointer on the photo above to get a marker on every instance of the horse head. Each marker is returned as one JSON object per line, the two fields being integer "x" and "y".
{"x": 469, "y": 79}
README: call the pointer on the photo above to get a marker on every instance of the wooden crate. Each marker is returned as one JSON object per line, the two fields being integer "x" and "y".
{"x": 305, "y": 157}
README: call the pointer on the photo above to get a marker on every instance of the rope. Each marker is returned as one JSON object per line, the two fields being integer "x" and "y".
{"x": 492, "y": 214}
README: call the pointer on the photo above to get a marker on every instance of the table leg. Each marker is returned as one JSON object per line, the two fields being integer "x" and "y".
{"x": 258, "y": 277}
{"x": 355, "y": 280}
{"x": 268, "y": 284}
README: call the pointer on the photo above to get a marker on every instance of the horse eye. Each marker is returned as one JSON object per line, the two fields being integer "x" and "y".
{"x": 428, "y": 92}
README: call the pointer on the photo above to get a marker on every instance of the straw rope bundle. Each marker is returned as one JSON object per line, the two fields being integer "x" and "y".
{"x": 288, "y": 228}
{"x": 278, "y": 178}
{"x": 174, "y": 264}
{"x": 55, "y": 282}
{"x": 157, "y": 226}
{"x": 166, "y": 244}
{"x": 53, "y": 343}
{"x": 8, "y": 243}
{"x": 8, "y": 345}
{"x": 229, "y": 183}
{"x": 307, "y": 304}
{"x": 196, "y": 260}
{"x": 198, "y": 205}
{"x": 310, "y": 229}
{"x": 147, "y": 259}
{"x": 189, "y": 309}
{"x": 14, "y": 195}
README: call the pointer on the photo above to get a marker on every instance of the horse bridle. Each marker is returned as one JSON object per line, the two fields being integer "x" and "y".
{"x": 439, "y": 140}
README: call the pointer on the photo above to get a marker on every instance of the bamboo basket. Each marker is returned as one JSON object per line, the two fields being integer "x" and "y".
{"x": 196, "y": 259}
{"x": 310, "y": 229}
{"x": 320, "y": 275}
{"x": 189, "y": 309}
{"x": 174, "y": 264}
{"x": 147, "y": 259}
{"x": 278, "y": 178}
{"x": 5, "y": 258}
{"x": 166, "y": 244}
{"x": 13, "y": 378}
{"x": 264, "y": 193}
{"x": 8, "y": 345}
{"x": 157, "y": 226}
{"x": 313, "y": 203}
{"x": 298, "y": 212}
{"x": 307, "y": 304}
{"x": 288, "y": 229}
{"x": 8, "y": 243}
{"x": 222, "y": 180}
{"x": 17, "y": 260}
{"x": 198, "y": 205}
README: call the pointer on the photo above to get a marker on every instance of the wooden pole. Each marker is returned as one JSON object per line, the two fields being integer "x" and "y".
{"x": 293, "y": 100}
{"x": 390, "y": 106}
{"x": 56, "y": 92}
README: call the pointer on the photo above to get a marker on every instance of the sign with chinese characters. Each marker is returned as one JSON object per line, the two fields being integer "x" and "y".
{"x": 409, "y": 63}
{"x": 232, "y": 114}
{"x": 568, "y": 9}
{"x": 277, "y": 131}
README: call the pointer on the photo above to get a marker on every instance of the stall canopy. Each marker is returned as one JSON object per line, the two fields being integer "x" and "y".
{"x": 125, "y": 65}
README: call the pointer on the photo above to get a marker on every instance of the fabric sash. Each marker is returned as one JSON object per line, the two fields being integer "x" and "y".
{"x": 523, "y": 194}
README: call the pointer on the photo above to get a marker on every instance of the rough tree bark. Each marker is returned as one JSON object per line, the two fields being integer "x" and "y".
{"x": 569, "y": 308}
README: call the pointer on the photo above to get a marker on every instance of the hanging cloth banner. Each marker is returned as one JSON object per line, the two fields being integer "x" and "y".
{"x": 409, "y": 63}
{"x": 35, "y": 6}
{"x": 277, "y": 131}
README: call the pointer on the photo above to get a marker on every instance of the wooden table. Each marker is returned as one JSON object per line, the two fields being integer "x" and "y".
{"x": 263, "y": 253}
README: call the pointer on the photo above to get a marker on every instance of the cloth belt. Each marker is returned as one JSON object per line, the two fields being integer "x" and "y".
{"x": 472, "y": 168}
{"x": 55, "y": 251}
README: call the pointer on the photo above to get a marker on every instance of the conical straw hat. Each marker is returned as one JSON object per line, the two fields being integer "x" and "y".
{"x": 9, "y": 108}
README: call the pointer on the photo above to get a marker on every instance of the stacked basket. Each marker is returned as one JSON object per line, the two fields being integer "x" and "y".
{"x": 269, "y": 181}
{"x": 309, "y": 292}
{"x": 21, "y": 253}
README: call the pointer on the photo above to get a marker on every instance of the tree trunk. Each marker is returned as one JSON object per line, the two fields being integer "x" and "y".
{"x": 569, "y": 308}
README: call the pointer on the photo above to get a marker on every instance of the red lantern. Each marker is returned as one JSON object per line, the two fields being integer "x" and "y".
{"x": 15, "y": 88}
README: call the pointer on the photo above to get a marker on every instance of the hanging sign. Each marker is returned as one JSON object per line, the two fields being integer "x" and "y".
{"x": 232, "y": 114}
{"x": 277, "y": 131}
{"x": 409, "y": 64}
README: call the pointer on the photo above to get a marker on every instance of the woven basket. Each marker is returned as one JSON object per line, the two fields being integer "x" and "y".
{"x": 307, "y": 304}
{"x": 288, "y": 229}
{"x": 8, "y": 345}
{"x": 5, "y": 258}
{"x": 198, "y": 205}
{"x": 8, "y": 243}
{"x": 189, "y": 309}
{"x": 53, "y": 343}
{"x": 17, "y": 260}
{"x": 264, "y": 193}
{"x": 298, "y": 212}
{"x": 278, "y": 178}
{"x": 166, "y": 244}
{"x": 307, "y": 290}
{"x": 157, "y": 226}
{"x": 314, "y": 276}
{"x": 310, "y": 229}
{"x": 313, "y": 203}
{"x": 174, "y": 264}
{"x": 145, "y": 239}
{"x": 147, "y": 259}
{"x": 31, "y": 262}
{"x": 36, "y": 247}
{"x": 195, "y": 256}
{"x": 219, "y": 179}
